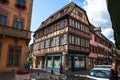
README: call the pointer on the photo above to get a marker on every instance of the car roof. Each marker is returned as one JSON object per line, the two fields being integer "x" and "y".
{"x": 102, "y": 67}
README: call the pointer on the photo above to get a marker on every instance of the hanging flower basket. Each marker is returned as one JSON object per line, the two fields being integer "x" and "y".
{"x": 4, "y": 1}
{"x": 22, "y": 74}
{"x": 23, "y": 7}
{"x": 18, "y": 5}
{"x": 22, "y": 71}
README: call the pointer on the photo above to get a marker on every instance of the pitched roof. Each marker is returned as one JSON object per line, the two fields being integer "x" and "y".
{"x": 69, "y": 8}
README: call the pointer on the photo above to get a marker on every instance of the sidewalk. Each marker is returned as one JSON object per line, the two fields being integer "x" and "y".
{"x": 7, "y": 75}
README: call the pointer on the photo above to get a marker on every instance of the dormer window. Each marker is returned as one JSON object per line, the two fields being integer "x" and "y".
{"x": 80, "y": 14}
{"x": 21, "y": 4}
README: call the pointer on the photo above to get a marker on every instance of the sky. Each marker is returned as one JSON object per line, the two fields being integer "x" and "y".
{"x": 96, "y": 10}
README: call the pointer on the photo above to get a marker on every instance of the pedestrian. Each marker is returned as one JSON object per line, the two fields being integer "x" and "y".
{"x": 26, "y": 65}
{"x": 113, "y": 72}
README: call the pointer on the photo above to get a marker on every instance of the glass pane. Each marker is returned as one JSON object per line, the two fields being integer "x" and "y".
{"x": 57, "y": 62}
{"x": 3, "y": 20}
{"x": 70, "y": 62}
{"x": 16, "y": 60}
{"x": 15, "y": 23}
{"x": 23, "y": 2}
{"x": 61, "y": 24}
{"x": 18, "y": 1}
{"x": 79, "y": 62}
{"x": 20, "y": 24}
{"x": 49, "y": 62}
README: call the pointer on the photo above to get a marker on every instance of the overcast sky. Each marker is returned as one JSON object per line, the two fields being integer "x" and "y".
{"x": 96, "y": 11}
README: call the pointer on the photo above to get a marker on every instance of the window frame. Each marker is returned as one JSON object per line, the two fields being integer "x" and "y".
{"x": 16, "y": 22}
{"x": 1, "y": 19}
{"x": 15, "y": 48}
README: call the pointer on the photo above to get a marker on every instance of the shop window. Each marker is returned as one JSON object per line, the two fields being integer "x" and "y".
{"x": 14, "y": 55}
{"x": 79, "y": 62}
{"x": 70, "y": 62}
{"x": 56, "y": 61}
{"x": 49, "y": 61}
{"x": 3, "y": 19}
{"x": 18, "y": 24}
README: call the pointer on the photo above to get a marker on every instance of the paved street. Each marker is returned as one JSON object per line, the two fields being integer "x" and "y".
{"x": 42, "y": 75}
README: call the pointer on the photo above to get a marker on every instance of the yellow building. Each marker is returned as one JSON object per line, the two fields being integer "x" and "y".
{"x": 15, "y": 20}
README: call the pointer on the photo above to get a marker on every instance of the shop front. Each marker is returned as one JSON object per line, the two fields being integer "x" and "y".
{"x": 76, "y": 62}
{"x": 54, "y": 61}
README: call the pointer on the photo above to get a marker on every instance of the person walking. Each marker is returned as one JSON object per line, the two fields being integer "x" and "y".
{"x": 113, "y": 72}
{"x": 26, "y": 65}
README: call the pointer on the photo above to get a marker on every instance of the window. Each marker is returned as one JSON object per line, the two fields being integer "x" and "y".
{"x": 57, "y": 41}
{"x": 61, "y": 13}
{"x": 14, "y": 55}
{"x": 79, "y": 62}
{"x": 52, "y": 28}
{"x": 18, "y": 24}
{"x": 56, "y": 61}
{"x": 45, "y": 31}
{"x": 47, "y": 42}
{"x": 70, "y": 22}
{"x": 49, "y": 61}
{"x": 76, "y": 40}
{"x": 52, "y": 42}
{"x": 22, "y": 2}
{"x": 3, "y": 19}
{"x": 80, "y": 14}
{"x": 61, "y": 40}
{"x": 76, "y": 25}
{"x": 62, "y": 24}
{"x": 72, "y": 39}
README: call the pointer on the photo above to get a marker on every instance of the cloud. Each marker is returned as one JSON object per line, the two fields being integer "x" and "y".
{"x": 98, "y": 15}
{"x": 70, "y": 1}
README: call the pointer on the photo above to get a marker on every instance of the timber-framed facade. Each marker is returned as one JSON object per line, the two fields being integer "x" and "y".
{"x": 62, "y": 41}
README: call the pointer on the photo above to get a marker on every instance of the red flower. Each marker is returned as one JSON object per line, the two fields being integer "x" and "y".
{"x": 21, "y": 71}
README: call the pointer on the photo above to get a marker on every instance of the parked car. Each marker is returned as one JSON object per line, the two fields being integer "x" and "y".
{"x": 100, "y": 72}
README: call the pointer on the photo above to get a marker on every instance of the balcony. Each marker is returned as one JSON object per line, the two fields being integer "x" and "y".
{"x": 14, "y": 32}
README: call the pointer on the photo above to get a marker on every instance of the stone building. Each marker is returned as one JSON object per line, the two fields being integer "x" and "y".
{"x": 15, "y": 21}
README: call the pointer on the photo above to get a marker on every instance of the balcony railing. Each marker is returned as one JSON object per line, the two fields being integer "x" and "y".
{"x": 14, "y": 32}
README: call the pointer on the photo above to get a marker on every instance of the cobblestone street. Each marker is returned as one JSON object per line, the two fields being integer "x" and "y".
{"x": 43, "y": 75}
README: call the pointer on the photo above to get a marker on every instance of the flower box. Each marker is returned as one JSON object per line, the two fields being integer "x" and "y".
{"x": 22, "y": 75}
